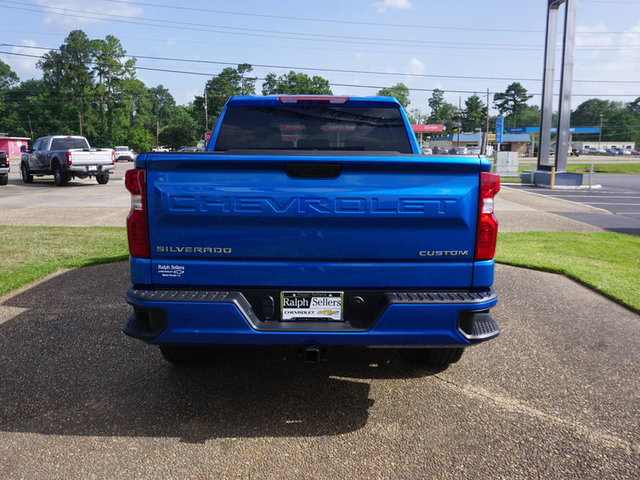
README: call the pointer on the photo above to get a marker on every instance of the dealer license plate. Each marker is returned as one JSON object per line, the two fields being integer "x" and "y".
{"x": 92, "y": 168}
{"x": 311, "y": 306}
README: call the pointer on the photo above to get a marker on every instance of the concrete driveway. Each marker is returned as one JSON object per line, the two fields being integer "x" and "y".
{"x": 556, "y": 395}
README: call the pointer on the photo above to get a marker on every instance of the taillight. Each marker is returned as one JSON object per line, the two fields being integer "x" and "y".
{"x": 69, "y": 162}
{"x": 487, "y": 234}
{"x": 113, "y": 157}
{"x": 135, "y": 181}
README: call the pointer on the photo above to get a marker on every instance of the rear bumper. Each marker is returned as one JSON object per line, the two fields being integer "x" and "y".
{"x": 4, "y": 170}
{"x": 187, "y": 317}
{"x": 90, "y": 169}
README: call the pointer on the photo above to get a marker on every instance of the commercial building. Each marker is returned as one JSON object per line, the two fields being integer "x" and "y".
{"x": 511, "y": 142}
{"x": 12, "y": 145}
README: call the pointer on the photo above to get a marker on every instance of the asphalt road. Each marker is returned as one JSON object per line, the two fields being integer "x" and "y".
{"x": 556, "y": 395}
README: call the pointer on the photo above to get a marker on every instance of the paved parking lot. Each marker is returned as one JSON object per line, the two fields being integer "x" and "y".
{"x": 81, "y": 202}
{"x": 617, "y": 194}
{"x": 554, "y": 396}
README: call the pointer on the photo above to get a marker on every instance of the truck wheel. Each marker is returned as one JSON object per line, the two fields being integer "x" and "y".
{"x": 24, "y": 173}
{"x": 437, "y": 357}
{"x": 180, "y": 355}
{"x": 102, "y": 178}
{"x": 59, "y": 177}
{"x": 4, "y": 179}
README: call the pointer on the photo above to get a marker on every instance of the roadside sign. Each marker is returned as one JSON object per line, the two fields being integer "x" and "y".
{"x": 499, "y": 129}
{"x": 427, "y": 128}
{"x": 491, "y": 137}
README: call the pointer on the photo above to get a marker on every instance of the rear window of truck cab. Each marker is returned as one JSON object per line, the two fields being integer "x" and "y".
{"x": 68, "y": 143}
{"x": 302, "y": 127}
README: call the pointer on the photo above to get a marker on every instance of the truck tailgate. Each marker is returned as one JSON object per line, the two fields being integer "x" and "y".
{"x": 87, "y": 157}
{"x": 312, "y": 221}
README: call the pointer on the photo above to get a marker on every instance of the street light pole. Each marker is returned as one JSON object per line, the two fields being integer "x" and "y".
{"x": 600, "y": 133}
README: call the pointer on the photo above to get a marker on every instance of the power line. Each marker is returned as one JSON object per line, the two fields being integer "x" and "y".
{"x": 175, "y": 24}
{"x": 338, "y": 70}
{"x": 243, "y": 31}
{"x": 338, "y": 21}
{"x": 334, "y": 84}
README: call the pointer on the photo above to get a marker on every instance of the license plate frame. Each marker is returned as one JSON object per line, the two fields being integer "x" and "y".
{"x": 309, "y": 306}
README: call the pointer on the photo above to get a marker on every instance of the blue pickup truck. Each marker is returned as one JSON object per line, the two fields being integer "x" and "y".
{"x": 312, "y": 221}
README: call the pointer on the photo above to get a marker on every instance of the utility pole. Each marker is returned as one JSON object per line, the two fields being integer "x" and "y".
{"x": 486, "y": 133}
{"x": 600, "y": 133}
{"x": 459, "y": 118}
{"x": 206, "y": 112}
{"x": 157, "y": 133}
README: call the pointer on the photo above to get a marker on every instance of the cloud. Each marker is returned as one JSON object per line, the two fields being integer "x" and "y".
{"x": 414, "y": 67}
{"x": 76, "y": 13}
{"x": 25, "y": 67}
{"x": 397, "y": 4}
{"x": 604, "y": 57}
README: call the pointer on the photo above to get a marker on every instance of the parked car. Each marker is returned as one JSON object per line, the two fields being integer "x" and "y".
{"x": 458, "y": 151}
{"x": 123, "y": 152}
{"x": 426, "y": 151}
{"x": 65, "y": 157}
{"x": 4, "y": 168}
{"x": 635, "y": 152}
{"x": 439, "y": 151}
{"x": 625, "y": 151}
{"x": 473, "y": 150}
{"x": 192, "y": 149}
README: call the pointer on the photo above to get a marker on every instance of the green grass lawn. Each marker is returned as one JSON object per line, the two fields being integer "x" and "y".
{"x": 31, "y": 253}
{"x": 607, "y": 262}
{"x": 629, "y": 168}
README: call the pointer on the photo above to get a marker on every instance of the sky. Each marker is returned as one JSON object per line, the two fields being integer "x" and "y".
{"x": 360, "y": 46}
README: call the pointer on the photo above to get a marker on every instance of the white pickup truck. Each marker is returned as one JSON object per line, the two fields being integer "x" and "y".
{"x": 65, "y": 157}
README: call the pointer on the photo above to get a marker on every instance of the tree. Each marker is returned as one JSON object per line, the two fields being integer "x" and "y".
{"x": 68, "y": 78}
{"x": 295, "y": 84}
{"x": 229, "y": 82}
{"x": 441, "y": 111}
{"x": 8, "y": 77}
{"x": 512, "y": 102}
{"x": 182, "y": 131}
{"x": 474, "y": 114}
{"x": 529, "y": 116}
{"x": 634, "y": 107}
{"x": 111, "y": 71}
{"x": 591, "y": 112}
{"x": 399, "y": 91}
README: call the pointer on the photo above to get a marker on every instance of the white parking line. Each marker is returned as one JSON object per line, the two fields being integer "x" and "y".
{"x": 615, "y": 203}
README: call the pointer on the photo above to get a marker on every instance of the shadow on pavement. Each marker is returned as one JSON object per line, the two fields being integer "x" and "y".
{"x": 68, "y": 370}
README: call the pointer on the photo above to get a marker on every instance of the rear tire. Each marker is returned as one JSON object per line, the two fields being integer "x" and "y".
{"x": 181, "y": 355}
{"x": 59, "y": 177}
{"x": 102, "y": 178}
{"x": 24, "y": 173}
{"x": 437, "y": 357}
{"x": 4, "y": 179}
